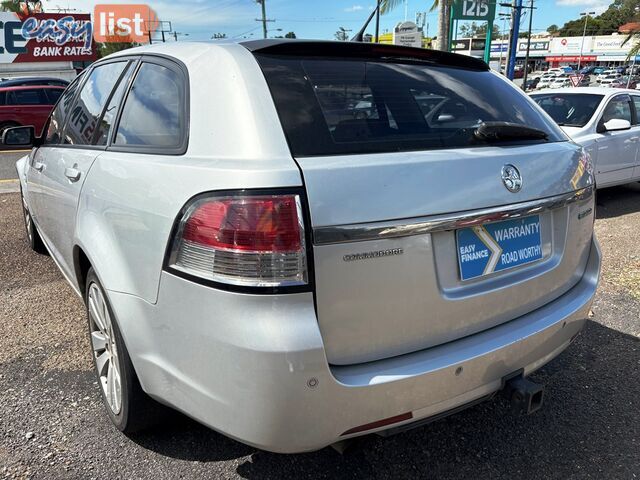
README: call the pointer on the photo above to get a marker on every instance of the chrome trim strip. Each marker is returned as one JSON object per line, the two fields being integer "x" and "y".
{"x": 418, "y": 226}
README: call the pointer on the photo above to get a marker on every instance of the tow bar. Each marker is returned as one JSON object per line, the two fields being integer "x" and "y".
{"x": 524, "y": 395}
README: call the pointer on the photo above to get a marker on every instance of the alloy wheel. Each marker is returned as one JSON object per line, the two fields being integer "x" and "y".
{"x": 105, "y": 351}
{"x": 28, "y": 223}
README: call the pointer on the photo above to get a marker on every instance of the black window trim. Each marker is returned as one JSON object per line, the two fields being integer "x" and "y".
{"x": 161, "y": 59}
{"x": 123, "y": 58}
{"x": 178, "y": 67}
{"x": 635, "y": 114}
{"x": 81, "y": 83}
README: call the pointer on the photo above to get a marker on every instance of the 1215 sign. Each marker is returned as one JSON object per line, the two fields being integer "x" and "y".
{"x": 474, "y": 10}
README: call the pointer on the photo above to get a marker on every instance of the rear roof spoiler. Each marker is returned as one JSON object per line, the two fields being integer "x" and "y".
{"x": 318, "y": 48}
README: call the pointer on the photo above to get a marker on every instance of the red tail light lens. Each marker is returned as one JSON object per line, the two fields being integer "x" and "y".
{"x": 243, "y": 240}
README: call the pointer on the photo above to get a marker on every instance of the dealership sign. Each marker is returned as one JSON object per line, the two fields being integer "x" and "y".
{"x": 407, "y": 34}
{"x": 46, "y": 37}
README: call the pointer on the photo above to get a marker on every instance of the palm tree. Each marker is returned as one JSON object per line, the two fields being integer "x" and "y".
{"x": 634, "y": 34}
{"x": 10, "y": 6}
{"x": 444, "y": 17}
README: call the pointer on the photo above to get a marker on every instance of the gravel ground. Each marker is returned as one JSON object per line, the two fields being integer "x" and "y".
{"x": 52, "y": 424}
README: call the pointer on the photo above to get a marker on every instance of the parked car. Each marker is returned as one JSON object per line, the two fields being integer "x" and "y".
{"x": 587, "y": 70}
{"x": 32, "y": 81}
{"x": 546, "y": 80}
{"x": 599, "y": 70}
{"x": 604, "y": 121}
{"x": 27, "y": 106}
{"x": 623, "y": 82}
{"x": 532, "y": 83}
{"x": 609, "y": 82}
{"x": 292, "y": 277}
{"x": 608, "y": 77}
{"x": 561, "y": 81}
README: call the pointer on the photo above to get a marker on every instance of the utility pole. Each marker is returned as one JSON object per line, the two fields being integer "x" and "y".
{"x": 526, "y": 57}
{"x": 584, "y": 32}
{"x": 516, "y": 9}
{"x": 264, "y": 18}
{"x": 377, "y": 40}
{"x": 504, "y": 17}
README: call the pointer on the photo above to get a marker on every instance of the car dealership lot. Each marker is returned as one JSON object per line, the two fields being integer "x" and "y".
{"x": 52, "y": 423}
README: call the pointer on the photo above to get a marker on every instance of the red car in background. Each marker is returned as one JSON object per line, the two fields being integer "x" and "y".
{"x": 27, "y": 105}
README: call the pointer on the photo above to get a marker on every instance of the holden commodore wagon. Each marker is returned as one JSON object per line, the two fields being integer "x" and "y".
{"x": 260, "y": 252}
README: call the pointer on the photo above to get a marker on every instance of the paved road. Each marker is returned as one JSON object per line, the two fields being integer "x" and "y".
{"x": 8, "y": 163}
{"x": 52, "y": 424}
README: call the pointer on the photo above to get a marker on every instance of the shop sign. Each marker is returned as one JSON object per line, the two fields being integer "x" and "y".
{"x": 571, "y": 58}
{"x": 46, "y": 37}
{"x": 535, "y": 46}
{"x": 570, "y": 44}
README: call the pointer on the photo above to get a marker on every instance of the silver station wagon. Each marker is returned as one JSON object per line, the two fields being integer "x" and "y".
{"x": 301, "y": 242}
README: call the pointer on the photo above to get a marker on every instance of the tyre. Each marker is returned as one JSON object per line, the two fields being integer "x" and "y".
{"x": 33, "y": 237}
{"x": 128, "y": 407}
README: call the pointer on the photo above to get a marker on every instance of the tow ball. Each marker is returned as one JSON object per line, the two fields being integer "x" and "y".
{"x": 525, "y": 396}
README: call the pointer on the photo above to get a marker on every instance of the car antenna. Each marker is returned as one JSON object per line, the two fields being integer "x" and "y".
{"x": 358, "y": 37}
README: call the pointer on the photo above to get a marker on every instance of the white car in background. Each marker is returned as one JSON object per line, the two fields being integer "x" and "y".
{"x": 606, "y": 122}
{"x": 546, "y": 80}
{"x": 561, "y": 81}
{"x": 608, "y": 77}
{"x": 609, "y": 82}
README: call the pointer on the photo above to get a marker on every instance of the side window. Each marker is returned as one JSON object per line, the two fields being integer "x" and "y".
{"x": 153, "y": 112}
{"x": 54, "y": 95}
{"x": 3, "y": 98}
{"x": 32, "y": 96}
{"x": 93, "y": 97}
{"x": 109, "y": 114}
{"x": 56, "y": 120}
{"x": 636, "y": 103}
{"x": 618, "y": 108}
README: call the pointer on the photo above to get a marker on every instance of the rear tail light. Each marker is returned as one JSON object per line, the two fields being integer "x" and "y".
{"x": 252, "y": 240}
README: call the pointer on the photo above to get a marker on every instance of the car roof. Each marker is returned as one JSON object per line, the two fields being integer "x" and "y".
{"x": 31, "y": 87}
{"x": 188, "y": 51}
{"x": 582, "y": 90}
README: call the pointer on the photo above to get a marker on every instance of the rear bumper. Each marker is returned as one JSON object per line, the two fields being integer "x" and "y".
{"x": 254, "y": 367}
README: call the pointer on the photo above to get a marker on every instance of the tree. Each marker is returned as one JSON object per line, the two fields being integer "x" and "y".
{"x": 444, "y": 17}
{"x": 114, "y": 43}
{"x": 472, "y": 29}
{"x": 341, "y": 35}
{"x": 618, "y": 13}
{"x": 553, "y": 30}
{"x": 10, "y": 6}
{"x": 290, "y": 35}
{"x": 16, "y": 6}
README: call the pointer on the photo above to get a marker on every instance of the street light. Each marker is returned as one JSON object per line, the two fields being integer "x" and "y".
{"x": 633, "y": 65}
{"x": 584, "y": 32}
{"x": 504, "y": 17}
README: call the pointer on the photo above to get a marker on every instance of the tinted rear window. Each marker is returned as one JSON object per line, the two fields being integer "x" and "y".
{"x": 333, "y": 106}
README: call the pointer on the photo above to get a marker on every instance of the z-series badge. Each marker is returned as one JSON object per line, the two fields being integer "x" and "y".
{"x": 377, "y": 254}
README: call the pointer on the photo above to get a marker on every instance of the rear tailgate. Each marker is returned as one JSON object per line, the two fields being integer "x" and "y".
{"x": 393, "y": 287}
{"x": 394, "y": 173}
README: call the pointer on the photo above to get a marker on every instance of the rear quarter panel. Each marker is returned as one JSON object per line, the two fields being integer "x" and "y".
{"x": 130, "y": 201}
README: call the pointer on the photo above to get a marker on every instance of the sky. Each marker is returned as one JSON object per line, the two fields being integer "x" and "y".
{"x": 319, "y": 19}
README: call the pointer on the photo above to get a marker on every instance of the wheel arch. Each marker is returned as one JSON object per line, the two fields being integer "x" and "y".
{"x": 81, "y": 265}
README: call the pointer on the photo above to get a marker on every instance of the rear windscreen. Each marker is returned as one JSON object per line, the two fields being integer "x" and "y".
{"x": 333, "y": 106}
